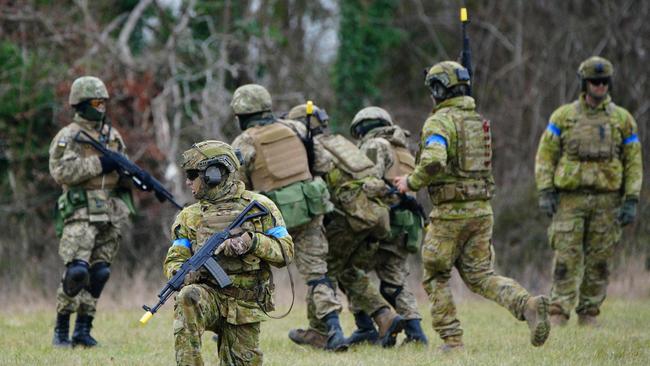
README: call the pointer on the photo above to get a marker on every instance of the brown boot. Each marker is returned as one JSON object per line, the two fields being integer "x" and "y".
{"x": 453, "y": 343}
{"x": 536, "y": 314}
{"x": 559, "y": 320}
{"x": 310, "y": 337}
{"x": 586, "y": 320}
{"x": 389, "y": 324}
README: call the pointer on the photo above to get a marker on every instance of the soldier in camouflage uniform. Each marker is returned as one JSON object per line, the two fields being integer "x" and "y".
{"x": 454, "y": 163}
{"x": 275, "y": 162}
{"x": 92, "y": 210}
{"x": 360, "y": 219}
{"x": 588, "y": 171}
{"x": 386, "y": 145}
{"x": 234, "y": 312}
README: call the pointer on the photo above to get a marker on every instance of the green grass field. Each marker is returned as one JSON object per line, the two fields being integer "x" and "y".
{"x": 492, "y": 337}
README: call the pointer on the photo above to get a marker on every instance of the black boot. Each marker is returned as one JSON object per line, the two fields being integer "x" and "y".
{"x": 414, "y": 332}
{"x": 336, "y": 339}
{"x": 62, "y": 331}
{"x": 81, "y": 335}
{"x": 365, "y": 332}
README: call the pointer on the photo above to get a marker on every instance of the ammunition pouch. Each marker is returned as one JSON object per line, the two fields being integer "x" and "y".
{"x": 301, "y": 201}
{"x": 592, "y": 140}
{"x": 262, "y": 295}
{"x": 66, "y": 205}
{"x": 409, "y": 224}
{"x": 469, "y": 190}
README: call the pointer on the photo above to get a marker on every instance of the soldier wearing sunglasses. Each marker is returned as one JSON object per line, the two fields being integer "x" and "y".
{"x": 588, "y": 171}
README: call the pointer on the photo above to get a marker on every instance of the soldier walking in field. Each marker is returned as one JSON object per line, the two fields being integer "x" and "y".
{"x": 234, "y": 313}
{"x": 91, "y": 212}
{"x": 386, "y": 145}
{"x": 588, "y": 171}
{"x": 276, "y": 163}
{"x": 455, "y": 165}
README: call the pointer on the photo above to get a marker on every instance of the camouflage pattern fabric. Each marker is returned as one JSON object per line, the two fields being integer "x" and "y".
{"x": 465, "y": 244}
{"x": 311, "y": 245}
{"x": 91, "y": 238}
{"x": 204, "y": 306}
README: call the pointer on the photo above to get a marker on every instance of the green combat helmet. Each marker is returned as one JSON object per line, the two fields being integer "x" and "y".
{"x": 208, "y": 153}
{"x": 249, "y": 99}
{"x": 85, "y": 88}
{"x": 318, "y": 121}
{"x": 367, "y": 119}
{"x": 446, "y": 79}
{"x": 595, "y": 67}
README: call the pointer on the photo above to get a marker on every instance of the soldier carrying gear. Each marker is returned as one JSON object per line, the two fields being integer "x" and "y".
{"x": 385, "y": 144}
{"x": 91, "y": 212}
{"x": 275, "y": 163}
{"x": 588, "y": 171}
{"x": 234, "y": 313}
{"x": 454, "y": 164}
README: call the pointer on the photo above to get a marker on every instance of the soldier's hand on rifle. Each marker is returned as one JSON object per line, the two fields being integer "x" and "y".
{"x": 236, "y": 246}
{"x": 401, "y": 184}
{"x": 192, "y": 277}
{"x": 108, "y": 164}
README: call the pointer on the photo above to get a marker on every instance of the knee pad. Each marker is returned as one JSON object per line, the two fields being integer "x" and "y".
{"x": 76, "y": 277}
{"x": 390, "y": 292}
{"x": 323, "y": 280}
{"x": 99, "y": 274}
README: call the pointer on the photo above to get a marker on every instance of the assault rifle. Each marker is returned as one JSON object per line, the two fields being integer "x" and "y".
{"x": 466, "y": 52}
{"x": 407, "y": 202}
{"x": 204, "y": 259}
{"x": 141, "y": 179}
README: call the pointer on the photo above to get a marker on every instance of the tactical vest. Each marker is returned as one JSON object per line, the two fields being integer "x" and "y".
{"x": 470, "y": 167}
{"x": 593, "y": 137}
{"x": 404, "y": 163}
{"x": 106, "y": 181}
{"x": 281, "y": 158}
{"x": 347, "y": 157}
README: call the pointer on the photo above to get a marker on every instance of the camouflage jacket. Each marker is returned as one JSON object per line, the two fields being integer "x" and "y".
{"x": 272, "y": 245}
{"x": 439, "y": 143}
{"x": 570, "y": 158}
{"x": 378, "y": 144}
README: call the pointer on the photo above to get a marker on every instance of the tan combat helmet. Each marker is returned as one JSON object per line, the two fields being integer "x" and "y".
{"x": 319, "y": 118}
{"x": 444, "y": 76}
{"x": 249, "y": 99}
{"x": 369, "y": 118}
{"x": 85, "y": 88}
{"x": 210, "y": 152}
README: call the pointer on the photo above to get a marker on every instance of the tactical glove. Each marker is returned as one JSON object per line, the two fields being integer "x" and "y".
{"x": 548, "y": 201}
{"x": 627, "y": 212}
{"x": 236, "y": 246}
{"x": 108, "y": 165}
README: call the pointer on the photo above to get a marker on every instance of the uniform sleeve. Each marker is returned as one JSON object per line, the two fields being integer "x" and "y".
{"x": 67, "y": 166}
{"x": 323, "y": 160}
{"x": 270, "y": 245}
{"x": 433, "y": 154}
{"x": 246, "y": 146}
{"x": 180, "y": 250}
{"x": 380, "y": 154}
{"x": 548, "y": 152}
{"x": 632, "y": 159}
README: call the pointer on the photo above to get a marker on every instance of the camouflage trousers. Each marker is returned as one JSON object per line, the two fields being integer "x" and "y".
{"x": 583, "y": 234}
{"x": 389, "y": 261}
{"x": 467, "y": 245}
{"x": 311, "y": 247}
{"x": 196, "y": 310}
{"x": 346, "y": 246}
{"x": 92, "y": 243}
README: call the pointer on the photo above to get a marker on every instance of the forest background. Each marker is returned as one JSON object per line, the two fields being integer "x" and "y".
{"x": 171, "y": 68}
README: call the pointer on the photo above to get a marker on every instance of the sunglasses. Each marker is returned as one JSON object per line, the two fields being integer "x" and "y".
{"x": 192, "y": 174}
{"x": 96, "y": 102}
{"x": 601, "y": 81}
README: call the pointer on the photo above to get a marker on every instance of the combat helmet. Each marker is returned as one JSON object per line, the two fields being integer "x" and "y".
{"x": 249, "y": 99}
{"x": 208, "y": 159}
{"x": 447, "y": 79}
{"x": 369, "y": 118}
{"x": 85, "y": 88}
{"x": 319, "y": 120}
{"x": 595, "y": 67}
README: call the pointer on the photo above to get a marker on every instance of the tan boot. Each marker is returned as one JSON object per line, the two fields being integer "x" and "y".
{"x": 453, "y": 343}
{"x": 389, "y": 324}
{"x": 536, "y": 314}
{"x": 586, "y": 320}
{"x": 558, "y": 320}
{"x": 310, "y": 337}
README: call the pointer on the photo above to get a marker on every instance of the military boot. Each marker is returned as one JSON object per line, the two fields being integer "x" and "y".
{"x": 62, "y": 331}
{"x": 536, "y": 314}
{"x": 587, "y": 320}
{"x": 310, "y": 337}
{"x": 365, "y": 331}
{"x": 389, "y": 324}
{"x": 557, "y": 318}
{"x": 81, "y": 335}
{"x": 414, "y": 332}
{"x": 336, "y": 339}
{"x": 453, "y": 343}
